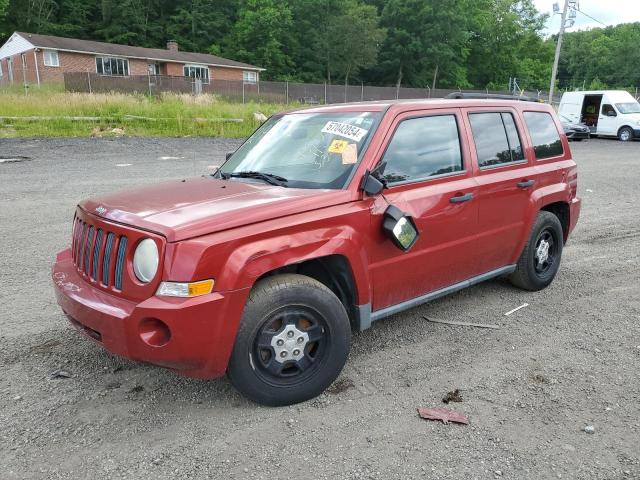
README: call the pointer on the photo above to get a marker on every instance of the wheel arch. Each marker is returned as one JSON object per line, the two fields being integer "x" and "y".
{"x": 625, "y": 126}
{"x": 333, "y": 271}
{"x": 563, "y": 212}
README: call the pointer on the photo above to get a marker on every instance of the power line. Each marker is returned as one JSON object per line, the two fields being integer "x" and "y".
{"x": 589, "y": 16}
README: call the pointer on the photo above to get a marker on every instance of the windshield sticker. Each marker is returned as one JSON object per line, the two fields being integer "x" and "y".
{"x": 338, "y": 146}
{"x": 350, "y": 154}
{"x": 345, "y": 130}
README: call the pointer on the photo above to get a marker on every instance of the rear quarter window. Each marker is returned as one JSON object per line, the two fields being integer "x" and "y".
{"x": 544, "y": 134}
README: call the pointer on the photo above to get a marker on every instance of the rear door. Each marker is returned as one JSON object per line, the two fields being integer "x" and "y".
{"x": 430, "y": 178}
{"x": 506, "y": 179}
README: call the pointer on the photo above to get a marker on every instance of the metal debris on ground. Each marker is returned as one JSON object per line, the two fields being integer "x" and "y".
{"x": 516, "y": 309}
{"x": 443, "y": 414}
{"x": 453, "y": 396}
{"x": 60, "y": 374}
{"x": 462, "y": 324}
{"x": 14, "y": 159}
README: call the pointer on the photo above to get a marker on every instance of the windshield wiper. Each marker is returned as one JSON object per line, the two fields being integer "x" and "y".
{"x": 267, "y": 177}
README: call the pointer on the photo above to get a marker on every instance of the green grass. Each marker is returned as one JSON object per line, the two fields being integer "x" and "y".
{"x": 169, "y": 115}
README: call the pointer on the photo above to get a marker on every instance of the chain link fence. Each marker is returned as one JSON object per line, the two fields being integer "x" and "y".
{"x": 263, "y": 91}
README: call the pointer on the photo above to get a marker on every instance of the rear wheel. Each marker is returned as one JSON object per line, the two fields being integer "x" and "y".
{"x": 292, "y": 343}
{"x": 625, "y": 134}
{"x": 540, "y": 259}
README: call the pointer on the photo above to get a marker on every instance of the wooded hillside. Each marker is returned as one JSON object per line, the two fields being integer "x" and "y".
{"x": 459, "y": 43}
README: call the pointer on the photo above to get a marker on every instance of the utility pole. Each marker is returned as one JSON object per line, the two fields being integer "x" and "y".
{"x": 563, "y": 24}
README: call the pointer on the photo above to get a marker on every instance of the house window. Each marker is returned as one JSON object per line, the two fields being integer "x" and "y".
{"x": 112, "y": 66}
{"x": 197, "y": 71}
{"x": 249, "y": 77}
{"x": 51, "y": 58}
{"x": 0, "y": 68}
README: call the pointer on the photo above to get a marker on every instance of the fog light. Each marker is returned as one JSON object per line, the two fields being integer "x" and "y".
{"x": 154, "y": 332}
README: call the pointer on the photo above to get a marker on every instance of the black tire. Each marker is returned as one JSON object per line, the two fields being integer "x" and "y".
{"x": 530, "y": 273}
{"x": 625, "y": 134}
{"x": 278, "y": 306}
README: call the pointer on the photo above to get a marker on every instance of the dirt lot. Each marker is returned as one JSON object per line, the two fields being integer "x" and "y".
{"x": 570, "y": 359}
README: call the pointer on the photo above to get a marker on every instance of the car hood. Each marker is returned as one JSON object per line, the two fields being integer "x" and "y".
{"x": 197, "y": 206}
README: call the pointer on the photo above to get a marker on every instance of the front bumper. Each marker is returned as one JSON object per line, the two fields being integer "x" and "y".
{"x": 574, "y": 135}
{"x": 202, "y": 329}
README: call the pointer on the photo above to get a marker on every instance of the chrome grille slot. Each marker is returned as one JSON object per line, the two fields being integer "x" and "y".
{"x": 87, "y": 249}
{"x": 96, "y": 254}
{"x": 122, "y": 249}
{"x": 106, "y": 261}
{"x": 81, "y": 243}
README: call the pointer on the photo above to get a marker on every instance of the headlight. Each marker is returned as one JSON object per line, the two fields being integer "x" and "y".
{"x": 145, "y": 260}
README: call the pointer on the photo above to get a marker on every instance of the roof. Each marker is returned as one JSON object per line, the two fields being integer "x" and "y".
{"x": 419, "y": 104}
{"x": 89, "y": 46}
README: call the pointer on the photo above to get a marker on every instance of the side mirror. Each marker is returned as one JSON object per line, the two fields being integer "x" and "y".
{"x": 611, "y": 113}
{"x": 371, "y": 185}
{"x": 400, "y": 228}
{"x": 229, "y": 155}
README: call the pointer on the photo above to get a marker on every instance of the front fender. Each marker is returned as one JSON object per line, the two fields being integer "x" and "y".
{"x": 236, "y": 258}
{"x": 251, "y": 261}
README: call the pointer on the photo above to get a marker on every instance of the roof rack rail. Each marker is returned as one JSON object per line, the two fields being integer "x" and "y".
{"x": 492, "y": 96}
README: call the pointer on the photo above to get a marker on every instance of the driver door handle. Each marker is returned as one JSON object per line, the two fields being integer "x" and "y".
{"x": 461, "y": 198}
{"x": 526, "y": 184}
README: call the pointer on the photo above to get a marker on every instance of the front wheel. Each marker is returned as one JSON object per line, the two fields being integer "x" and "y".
{"x": 625, "y": 134}
{"x": 293, "y": 341}
{"x": 540, "y": 259}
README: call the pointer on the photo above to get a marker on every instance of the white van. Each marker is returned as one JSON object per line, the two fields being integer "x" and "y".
{"x": 606, "y": 112}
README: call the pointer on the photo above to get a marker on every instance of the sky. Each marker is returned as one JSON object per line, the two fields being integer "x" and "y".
{"x": 609, "y": 12}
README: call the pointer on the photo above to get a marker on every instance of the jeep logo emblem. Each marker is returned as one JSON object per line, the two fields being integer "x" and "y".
{"x": 101, "y": 210}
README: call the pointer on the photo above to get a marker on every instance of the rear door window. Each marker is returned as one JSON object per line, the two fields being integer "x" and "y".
{"x": 544, "y": 135}
{"x": 421, "y": 148}
{"x": 496, "y": 138}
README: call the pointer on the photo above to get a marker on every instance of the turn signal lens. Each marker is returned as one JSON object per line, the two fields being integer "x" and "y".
{"x": 179, "y": 289}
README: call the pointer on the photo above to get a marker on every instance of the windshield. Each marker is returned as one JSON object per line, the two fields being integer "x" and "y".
{"x": 304, "y": 150}
{"x": 631, "y": 107}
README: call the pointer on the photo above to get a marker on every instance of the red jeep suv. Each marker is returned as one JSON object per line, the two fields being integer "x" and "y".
{"x": 325, "y": 220}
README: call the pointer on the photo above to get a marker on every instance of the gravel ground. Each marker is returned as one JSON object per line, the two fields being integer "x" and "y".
{"x": 569, "y": 360}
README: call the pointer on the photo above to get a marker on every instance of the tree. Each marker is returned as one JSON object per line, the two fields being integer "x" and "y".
{"x": 426, "y": 43}
{"x": 197, "y": 25}
{"x": 4, "y": 4}
{"x": 356, "y": 39}
{"x": 312, "y": 45}
{"x": 507, "y": 42}
{"x": 261, "y": 36}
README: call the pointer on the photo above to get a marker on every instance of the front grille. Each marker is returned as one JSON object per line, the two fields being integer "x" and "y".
{"x": 92, "y": 251}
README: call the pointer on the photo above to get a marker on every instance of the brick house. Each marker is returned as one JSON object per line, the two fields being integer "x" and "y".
{"x": 34, "y": 59}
